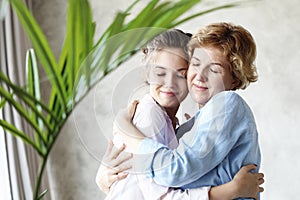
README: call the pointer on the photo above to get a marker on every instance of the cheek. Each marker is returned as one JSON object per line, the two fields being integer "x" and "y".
{"x": 153, "y": 89}
{"x": 219, "y": 83}
{"x": 227, "y": 82}
{"x": 189, "y": 77}
{"x": 184, "y": 89}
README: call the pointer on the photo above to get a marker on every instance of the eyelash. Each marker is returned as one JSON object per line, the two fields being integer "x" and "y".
{"x": 214, "y": 71}
{"x": 183, "y": 76}
{"x": 195, "y": 64}
{"x": 211, "y": 69}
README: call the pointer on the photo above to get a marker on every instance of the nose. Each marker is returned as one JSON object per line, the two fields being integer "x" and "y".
{"x": 201, "y": 74}
{"x": 170, "y": 80}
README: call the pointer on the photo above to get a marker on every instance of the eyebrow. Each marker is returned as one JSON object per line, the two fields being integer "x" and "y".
{"x": 213, "y": 63}
{"x": 180, "y": 69}
{"x": 196, "y": 58}
{"x": 158, "y": 66}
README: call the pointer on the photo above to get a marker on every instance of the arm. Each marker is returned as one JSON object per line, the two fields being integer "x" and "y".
{"x": 244, "y": 184}
{"x": 201, "y": 149}
{"x": 112, "y": 168}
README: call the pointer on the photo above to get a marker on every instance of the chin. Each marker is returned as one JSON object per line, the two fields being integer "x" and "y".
{"x": 199, "y": 100}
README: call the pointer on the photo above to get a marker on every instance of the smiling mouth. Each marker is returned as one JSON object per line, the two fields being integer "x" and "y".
{"x": 202, "y": 88}
{"x": 169, "y": 94}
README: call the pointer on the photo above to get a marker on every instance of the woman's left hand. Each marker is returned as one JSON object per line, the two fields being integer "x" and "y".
{"x": 123, "y": 126}
{"x": 249, "y": 184}
{"x": 113, "y": 167}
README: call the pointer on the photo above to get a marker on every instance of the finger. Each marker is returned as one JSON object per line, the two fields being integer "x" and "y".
{"x": 122, "y": 159}
{"x": 187, "y": 116}
{"x": 122, "y": 175}
{"x": 113, "y": 179}
{"x": 122, "y": 168}
{"x": 261, "y": 181}
{"x": 260, "y": 175}
{"x": 248, "y": 168}
{"x": 132, "y": 108}
{"x": 117, "y": 152}
{"x": 261, "y": 189}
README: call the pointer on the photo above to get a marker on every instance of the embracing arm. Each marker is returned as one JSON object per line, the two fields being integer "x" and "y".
{"x": 224, "y": 126}
{"x": 113, "y": 167}
{"x": 215, "y": 133}
{"x": 244, "y": 184}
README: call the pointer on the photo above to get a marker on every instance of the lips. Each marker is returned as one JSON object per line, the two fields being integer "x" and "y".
{"x": 200, "y": 87}
{"x": 168, "y": 93}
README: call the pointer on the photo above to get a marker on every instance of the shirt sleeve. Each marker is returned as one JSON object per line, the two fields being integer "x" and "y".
{"x": 217, "y": 130}
{"x": 150, "y": 120}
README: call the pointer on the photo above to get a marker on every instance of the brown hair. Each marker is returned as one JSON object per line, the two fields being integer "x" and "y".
{"x": 173, "y": 38}
{"x": 236, "y": 43}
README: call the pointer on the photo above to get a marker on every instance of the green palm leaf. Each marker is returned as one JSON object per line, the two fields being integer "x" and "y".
{"x": 14, "y": 131}
{"x": 81, "y": 63}
{"x": 41, "y": 47}
{"x": 33, "y": 88}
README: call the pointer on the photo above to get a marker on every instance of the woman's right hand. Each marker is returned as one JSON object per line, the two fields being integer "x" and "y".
{"x": 113, "y": 167}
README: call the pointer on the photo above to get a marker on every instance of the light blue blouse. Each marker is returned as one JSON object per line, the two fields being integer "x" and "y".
{"x": 219, "y": 140}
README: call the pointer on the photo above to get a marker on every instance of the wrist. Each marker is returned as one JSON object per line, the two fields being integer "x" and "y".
{"x": 226, "y": 191}
{"x": 235, "y": 192}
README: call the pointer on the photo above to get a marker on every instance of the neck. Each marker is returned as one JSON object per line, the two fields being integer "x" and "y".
{"x": 201, "y": 105}
{"x": 172, "y": 114}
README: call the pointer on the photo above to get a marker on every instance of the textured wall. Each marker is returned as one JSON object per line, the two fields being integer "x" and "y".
{"x": 274, "y": 98}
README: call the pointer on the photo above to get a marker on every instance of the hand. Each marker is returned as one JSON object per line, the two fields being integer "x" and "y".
{"x": 187, "y": 116}
{"x": 132, "y": 108}
{"x": 248, "y": 183}
{"x": 113, "y": 167}
{"x": 123, "y": 126}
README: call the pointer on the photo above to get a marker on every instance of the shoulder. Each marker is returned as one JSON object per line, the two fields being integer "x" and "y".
{"x": 228, "y": 97}
{"x": 227, "y": 102}
{"x": 148, "y": 111}
{"x": 150, "y": 118}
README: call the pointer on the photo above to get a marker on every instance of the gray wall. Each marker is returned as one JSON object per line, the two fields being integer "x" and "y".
{"x": 274, "y": 98}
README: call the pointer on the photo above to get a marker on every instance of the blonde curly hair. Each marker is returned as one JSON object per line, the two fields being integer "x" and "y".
{"x": 236, "y": 43}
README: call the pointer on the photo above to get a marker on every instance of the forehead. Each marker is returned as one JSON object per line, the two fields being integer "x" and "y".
{"x": 210, "y": 55}
{"x": 170, "y": 58}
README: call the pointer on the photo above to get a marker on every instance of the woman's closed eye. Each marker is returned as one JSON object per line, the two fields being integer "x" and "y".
{"x": 195, "y": 64}
{"x": 181, "y": 74}
{"x": 159, "y": 71}
{"x": 215, "y": 69}
{"x": 160, "y": 74}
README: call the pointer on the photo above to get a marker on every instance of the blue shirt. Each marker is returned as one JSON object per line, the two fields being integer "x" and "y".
{"x": 221, "y": 138}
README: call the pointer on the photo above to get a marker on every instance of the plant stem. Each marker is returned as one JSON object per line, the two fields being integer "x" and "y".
{"x": 45, "y": 157}
{"x": 39, "y": 177}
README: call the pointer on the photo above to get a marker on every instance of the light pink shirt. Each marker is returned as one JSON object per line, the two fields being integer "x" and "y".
{"x": 154, "y": 123}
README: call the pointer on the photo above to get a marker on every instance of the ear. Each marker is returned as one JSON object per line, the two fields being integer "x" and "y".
{"x": 146, "y": 75}
{"x": 235, "y": 84}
